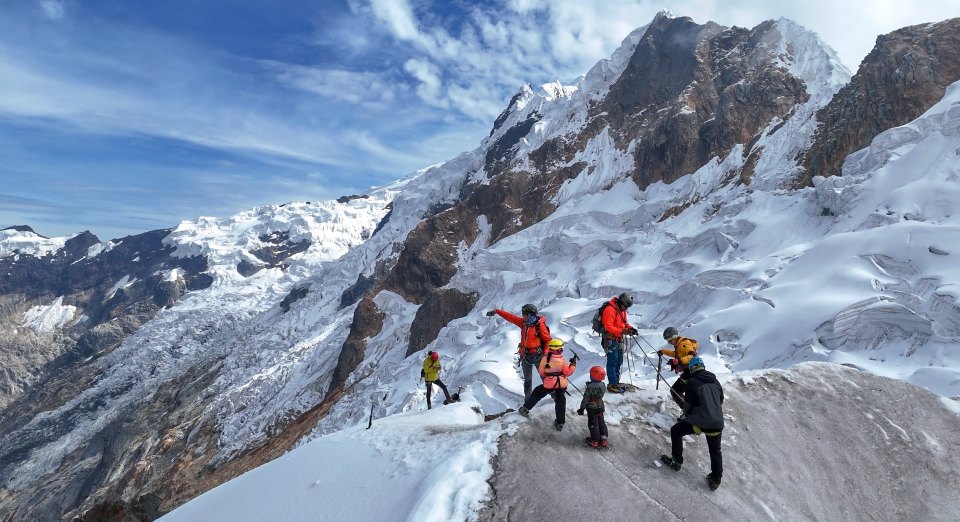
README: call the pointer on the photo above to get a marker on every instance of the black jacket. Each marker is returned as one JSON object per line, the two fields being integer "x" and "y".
{"x": 703, "y": 399}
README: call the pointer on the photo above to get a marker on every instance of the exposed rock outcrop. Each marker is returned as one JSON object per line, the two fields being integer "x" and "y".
{"x": 437, "y": 311}
{"x": 903, "y": 76}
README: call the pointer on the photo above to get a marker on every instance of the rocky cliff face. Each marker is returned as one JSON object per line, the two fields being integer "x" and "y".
{"x": 903, "y": 76}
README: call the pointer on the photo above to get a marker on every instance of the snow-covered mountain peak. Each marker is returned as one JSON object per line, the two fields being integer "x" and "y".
{"x": 599, "y": 78}
{"x": 319, "y": 231}
{"x": 24, "y": 241}
{"x": 807, "y": 57}
{"x": 554, "y": 90}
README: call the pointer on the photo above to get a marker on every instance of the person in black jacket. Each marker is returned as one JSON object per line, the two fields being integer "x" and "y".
{"x": 703, "y": 413}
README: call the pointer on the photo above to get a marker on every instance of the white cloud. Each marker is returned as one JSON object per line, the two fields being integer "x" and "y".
{"x": 430, "y": 81}
{"x": 398, "y": 15}
{"x": 364, "y": 88}
{"x": 52, "y": 9}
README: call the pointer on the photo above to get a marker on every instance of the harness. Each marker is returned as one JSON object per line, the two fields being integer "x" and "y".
{"x": 556, "y": 374}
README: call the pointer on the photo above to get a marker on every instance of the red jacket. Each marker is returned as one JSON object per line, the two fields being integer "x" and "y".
{"x": 614, "y": 320}
{"x": 555, "y": 376}
{"x": 532, "y": 338}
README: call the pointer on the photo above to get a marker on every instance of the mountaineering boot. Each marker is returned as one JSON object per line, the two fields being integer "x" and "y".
{"x": 524, "y": 411}
{"x": 670, "y": 461}
{"x": 558, "y": 425}
{"x": 613, "y": 388}
{"x": 592, "y": 443}
{"x": 713, "y": 484}
{"x": 603, "y": 443}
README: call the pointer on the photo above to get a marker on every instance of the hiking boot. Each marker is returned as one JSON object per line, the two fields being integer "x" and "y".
{"x": 603, "y": 443}
{"x": 592, "y": 443}
{"x": 670, "y": 461}
{"x": 524, "y": 411}
{"x": 711, "y": 483}
{"x": 558, "y": 425}
{"x": 614, "y": 388}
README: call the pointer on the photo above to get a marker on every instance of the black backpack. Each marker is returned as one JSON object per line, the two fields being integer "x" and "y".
{"x": 598, "y": 319}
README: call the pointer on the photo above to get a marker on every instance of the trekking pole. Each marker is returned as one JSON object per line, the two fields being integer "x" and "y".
{"x": 630, "y": 369}
{"x": 575, "y": 358}
{"x": 659, "y": 363}
{"x": 373, "y": 403}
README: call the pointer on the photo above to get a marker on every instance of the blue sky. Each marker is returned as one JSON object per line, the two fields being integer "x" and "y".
{"x": 120, "y": 117}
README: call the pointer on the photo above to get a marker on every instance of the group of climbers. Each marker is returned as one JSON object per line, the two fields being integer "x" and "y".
{"x": 696, "y": 391}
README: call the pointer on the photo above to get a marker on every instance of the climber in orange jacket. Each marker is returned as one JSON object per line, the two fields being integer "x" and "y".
{"x": 534, "y": 337}
{"x": 615, "y": 326}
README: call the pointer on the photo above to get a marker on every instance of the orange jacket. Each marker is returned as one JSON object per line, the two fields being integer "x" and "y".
{"x": 554, "y": 370}
{"x": 614, "y": 320}
{"x": 685, "y": 349}
{"x": 532, "y": 337}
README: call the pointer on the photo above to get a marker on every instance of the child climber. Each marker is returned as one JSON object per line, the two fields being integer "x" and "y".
{"x": 431, "y": 374}
{"x": 593, "y": 404}
{"x": 554, "y": 371}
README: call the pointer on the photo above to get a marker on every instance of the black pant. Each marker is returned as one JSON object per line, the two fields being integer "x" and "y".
{"x": 596, "y": 424}
{"x": 442, "y": 386}
{"x": 682, "y": 428}
{"x": 560, "y": 396}
{"x": 679, "y": 388}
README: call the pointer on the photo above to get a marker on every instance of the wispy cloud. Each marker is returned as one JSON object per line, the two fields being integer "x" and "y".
{"x": 52, "y": 9}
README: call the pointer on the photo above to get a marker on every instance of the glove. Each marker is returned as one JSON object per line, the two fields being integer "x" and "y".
{"x": 580, "y": 411}
{"x": 672, "y": 363}
{"x": 630, "y": 331}
{"x": 491, "y": 312}
{"x": 422, "y": 374}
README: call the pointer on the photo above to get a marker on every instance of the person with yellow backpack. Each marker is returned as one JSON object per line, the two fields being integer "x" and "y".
{"x": 554, "y": 371}
{"x": 684, "y": 349}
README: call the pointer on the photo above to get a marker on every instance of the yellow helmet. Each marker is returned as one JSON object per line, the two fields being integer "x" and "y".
{"x": 555, "y": 344}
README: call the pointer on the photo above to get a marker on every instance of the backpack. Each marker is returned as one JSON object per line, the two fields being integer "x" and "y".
{"x": 598, "y": 319}
{"x": 536, "y": 331}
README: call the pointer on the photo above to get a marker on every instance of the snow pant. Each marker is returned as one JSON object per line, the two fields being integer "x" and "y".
{"x": 442, "y": 386}
{"x": 528, "y": 361}
{"x": 682, "y": 428}
{"x": 614, "y": 351}
{"x": 596, "y": 425}
{"x": 560, "y": 396}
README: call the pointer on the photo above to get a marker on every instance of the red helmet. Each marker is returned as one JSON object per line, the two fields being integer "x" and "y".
{"x": 597, "y": 373}
{"x": 434, "y": 355}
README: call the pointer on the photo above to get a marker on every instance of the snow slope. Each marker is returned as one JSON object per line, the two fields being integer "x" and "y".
{"x": 799, "y": 445}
